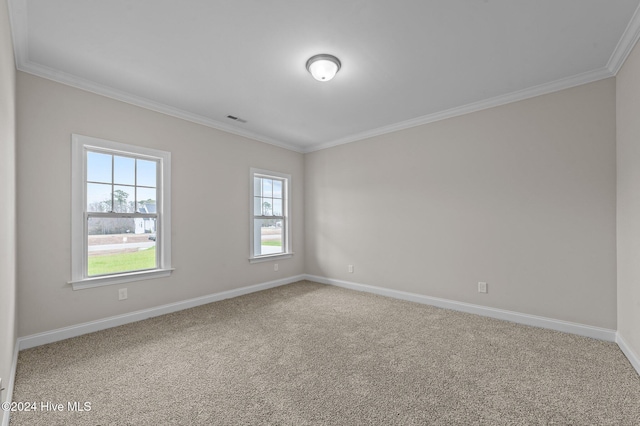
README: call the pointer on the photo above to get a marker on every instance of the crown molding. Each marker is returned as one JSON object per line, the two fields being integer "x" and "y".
{"x": 626, "y": 43}
{"x": 19, "y": 28}
{"x": 542, "y": 89}
{"x": 90, "y": 86}
{"x": 103, "y": 90}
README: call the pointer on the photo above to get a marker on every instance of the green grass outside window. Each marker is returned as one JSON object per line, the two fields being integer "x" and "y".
{"x": 122, "y": 262}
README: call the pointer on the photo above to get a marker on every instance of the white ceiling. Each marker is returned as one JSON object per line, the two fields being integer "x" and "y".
{"x": 404, "y": 62}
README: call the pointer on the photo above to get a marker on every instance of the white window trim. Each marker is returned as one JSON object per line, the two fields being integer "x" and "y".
{"x": 78, "y": 202}
{"x": 287, "y": 214}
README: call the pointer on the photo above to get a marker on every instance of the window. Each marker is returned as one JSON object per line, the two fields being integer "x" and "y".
{"x": 121, "y": 220}
{"x": 270, "y": 223}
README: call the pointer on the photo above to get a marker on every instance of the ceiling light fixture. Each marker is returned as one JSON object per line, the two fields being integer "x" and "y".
{"x": 323, "y": 67}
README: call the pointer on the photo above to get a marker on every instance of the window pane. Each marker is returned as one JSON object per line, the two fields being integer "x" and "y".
{"x": 147, "y": 173}
{"x": 146, "y": 226}
{"x": 257, "y": 206}
{"x": 98, "y": 167}
{"x": 277, "y": 188}
{"x": 267, "y": 185}
{"x": 268, "y": 237}
{"x": 277, "y": 206}
{"x": 267, "y": 207}
{"x": 123, "y": 199}
{"x": 114, "y": 245}
{"x": 98, "y": 197}
{"x": 146, "y": 200}
{"x": 124, "y": 170}
{"x": 257, "y": 187}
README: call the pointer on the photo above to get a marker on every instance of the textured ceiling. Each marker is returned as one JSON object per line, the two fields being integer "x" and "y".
{"x": 404, "y": 62}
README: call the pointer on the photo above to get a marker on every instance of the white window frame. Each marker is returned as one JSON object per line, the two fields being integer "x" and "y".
{"x": 79, "y": 252}
{"x": 286, "y": 211}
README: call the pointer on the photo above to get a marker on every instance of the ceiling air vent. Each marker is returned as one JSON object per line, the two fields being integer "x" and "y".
{"x": 234, "y": 118}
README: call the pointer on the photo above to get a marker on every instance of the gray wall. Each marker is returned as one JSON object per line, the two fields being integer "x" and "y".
{"x": 628, "y": 139}
{"x": 210, "y": 205}
{"x": 8, "y": 199}
{"x": 521, "y": 196}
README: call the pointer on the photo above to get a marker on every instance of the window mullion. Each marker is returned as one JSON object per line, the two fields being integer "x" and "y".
{"x": 113, "y": 201}
{"x": 159, "y": 208}
{"x": 122, "y": 215}
{"x": 118, "y": 259}
{"x": 135, "y": 185}
{"x": 276, "y": 184}
{"x": 85, "y": 251}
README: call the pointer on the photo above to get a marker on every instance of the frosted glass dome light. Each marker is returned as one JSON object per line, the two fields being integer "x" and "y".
{"x": 323, "y": 67}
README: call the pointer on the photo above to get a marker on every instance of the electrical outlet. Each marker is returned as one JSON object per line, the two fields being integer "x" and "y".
{"x": 351, "y": 269}
{"x": 122, "y": 294}
{"x": 482, "y": 287}
{"x": 275, "y": 267}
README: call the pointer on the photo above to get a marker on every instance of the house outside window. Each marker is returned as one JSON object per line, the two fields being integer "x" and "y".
{"x": 120, "y": 212}
{"x": 270, "y": 218}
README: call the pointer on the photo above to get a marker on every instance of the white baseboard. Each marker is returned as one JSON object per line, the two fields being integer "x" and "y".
{"x": 102, "y": 324}
{"x": 633, "y": 358}
{"x": 9, "y": 386}
{"x": 89, "y": 327}
{"x": 517, "y": 317}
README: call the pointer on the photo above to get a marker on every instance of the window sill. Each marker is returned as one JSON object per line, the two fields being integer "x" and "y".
{"x": 269, "y": 257}
{"x": 120, "y": 278}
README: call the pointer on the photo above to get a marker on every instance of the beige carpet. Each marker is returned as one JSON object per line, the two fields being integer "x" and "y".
{"x": 313, "y": 354}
